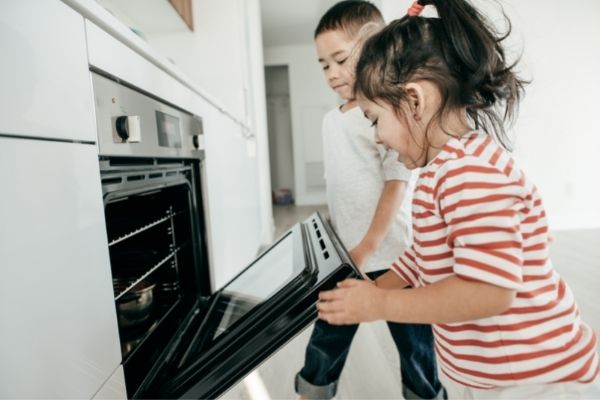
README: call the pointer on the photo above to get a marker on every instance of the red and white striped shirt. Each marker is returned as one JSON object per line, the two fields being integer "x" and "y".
{"x": 476, "y": 215}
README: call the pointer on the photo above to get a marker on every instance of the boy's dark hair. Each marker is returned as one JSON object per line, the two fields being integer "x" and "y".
{"x": 349, "y": 16}
{"x": 460, "y": 52}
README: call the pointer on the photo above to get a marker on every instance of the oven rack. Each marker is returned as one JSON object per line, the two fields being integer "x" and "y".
{"x": 145, "y": 227}
{"x": 151, "y": 270}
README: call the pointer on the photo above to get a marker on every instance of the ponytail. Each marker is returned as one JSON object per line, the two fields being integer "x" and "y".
{"x": 476, "y": 53}
{"x": 460, "y": 51}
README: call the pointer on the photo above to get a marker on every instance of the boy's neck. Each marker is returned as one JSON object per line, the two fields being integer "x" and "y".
{"x": 349, "y": 105}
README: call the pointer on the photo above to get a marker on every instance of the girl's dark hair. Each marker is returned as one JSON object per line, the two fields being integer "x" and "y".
{"x": 349, "y": 16}
{"x": 460, "y": 52}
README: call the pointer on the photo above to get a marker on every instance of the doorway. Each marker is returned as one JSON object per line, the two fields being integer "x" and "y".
{"x": 279, "y": 119}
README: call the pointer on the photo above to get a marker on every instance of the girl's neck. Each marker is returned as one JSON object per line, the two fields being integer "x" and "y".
{"x": 455, "y": 125}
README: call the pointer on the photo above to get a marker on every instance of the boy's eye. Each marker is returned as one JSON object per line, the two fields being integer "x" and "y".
{"x": 325, "y": 67}
{"x": 374, "y": 123}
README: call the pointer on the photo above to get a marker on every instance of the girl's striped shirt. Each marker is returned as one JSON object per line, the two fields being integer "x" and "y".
{"x": 477, "y": 216}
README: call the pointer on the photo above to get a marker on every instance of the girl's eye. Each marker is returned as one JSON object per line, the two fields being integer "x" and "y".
{"x": 326, "y": 67}
{"x": 374, "y": 123}
{"x": 342, "y": 61}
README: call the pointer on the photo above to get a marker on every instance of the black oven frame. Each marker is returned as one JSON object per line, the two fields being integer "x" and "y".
{"x": 125, "y": 178}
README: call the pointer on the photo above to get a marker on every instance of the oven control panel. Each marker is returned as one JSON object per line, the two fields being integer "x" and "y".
{"x": 133, "y": 123}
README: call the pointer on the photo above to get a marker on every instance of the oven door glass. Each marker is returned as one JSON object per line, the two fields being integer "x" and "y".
{"x": 256, "y": 313}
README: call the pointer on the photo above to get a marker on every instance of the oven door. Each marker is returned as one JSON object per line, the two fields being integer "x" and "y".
{"x": 256, "y": 313}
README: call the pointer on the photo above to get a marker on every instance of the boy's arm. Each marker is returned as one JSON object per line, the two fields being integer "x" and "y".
{"x": 387, "y": 208}
{"x": 390, "y": 280}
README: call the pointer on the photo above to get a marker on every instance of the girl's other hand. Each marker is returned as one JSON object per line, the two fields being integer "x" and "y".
{"x": 352, "y": 302}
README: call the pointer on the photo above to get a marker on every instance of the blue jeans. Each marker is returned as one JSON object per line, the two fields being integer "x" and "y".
{"x": 328, "y": 349}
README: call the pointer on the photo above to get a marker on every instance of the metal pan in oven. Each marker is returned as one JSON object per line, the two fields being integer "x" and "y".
{"x": 134, "y": 307}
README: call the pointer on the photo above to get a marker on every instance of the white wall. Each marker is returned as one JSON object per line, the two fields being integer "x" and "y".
{"x": 310, "y": 99}
{"x": 257, "y": 110}
{"x": 224, "y": 56}
{"x": 556, "y": 135}
{"x": 280, "y": 128}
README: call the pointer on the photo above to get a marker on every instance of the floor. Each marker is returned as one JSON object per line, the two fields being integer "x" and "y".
{"x": 372, "y": 369}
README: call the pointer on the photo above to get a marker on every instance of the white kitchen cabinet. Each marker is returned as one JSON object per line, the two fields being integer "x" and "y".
{"x": 59, "y": 336}
{"x": 114, "y": 388}
{"x": 117, "y": 59}
{"x": 46, "y": 88}
{"x": 232, "y": 195}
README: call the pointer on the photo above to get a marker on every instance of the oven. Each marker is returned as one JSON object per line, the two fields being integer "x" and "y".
{"x": 178, "y": 337}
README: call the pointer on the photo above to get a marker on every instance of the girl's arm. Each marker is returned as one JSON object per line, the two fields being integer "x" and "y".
{"x": 387, "y": 208}
{"x": 450, "y": 300}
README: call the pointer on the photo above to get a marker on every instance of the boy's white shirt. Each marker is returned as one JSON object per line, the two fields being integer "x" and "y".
{"x": 356, "y": 169}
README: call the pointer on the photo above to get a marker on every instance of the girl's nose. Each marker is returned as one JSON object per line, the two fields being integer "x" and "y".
{"x": 376, "y": 136}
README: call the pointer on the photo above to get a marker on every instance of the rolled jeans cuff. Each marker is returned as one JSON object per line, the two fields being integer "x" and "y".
{"x": 410, "y": 395}
{"x": 309, "y": 391}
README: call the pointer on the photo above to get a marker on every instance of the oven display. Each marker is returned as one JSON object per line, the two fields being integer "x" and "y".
{"x": 169, "y": 133}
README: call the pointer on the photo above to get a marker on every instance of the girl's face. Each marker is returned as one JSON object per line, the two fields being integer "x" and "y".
{"x": 336, "y": 52}
{"x": 398, "y": 133}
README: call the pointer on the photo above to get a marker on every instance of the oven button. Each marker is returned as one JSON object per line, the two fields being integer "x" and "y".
{"x": 128, "y": 129}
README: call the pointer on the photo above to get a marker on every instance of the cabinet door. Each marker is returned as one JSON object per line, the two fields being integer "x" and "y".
{"x": 114, "y": 388}
{"x": 59, "y": 336}
{"x": 233, "y": 200}
{"x": 45, "y": 81}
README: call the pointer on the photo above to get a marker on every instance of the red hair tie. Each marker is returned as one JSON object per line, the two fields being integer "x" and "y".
{"x": 415, "y": 10}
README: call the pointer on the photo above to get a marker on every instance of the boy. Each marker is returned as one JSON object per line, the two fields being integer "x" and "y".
{"x": 366, "y": 186}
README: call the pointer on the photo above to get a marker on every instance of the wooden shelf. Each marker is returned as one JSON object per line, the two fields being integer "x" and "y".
{"x": 153, "y": 16}
{"x": 184, "y": 9}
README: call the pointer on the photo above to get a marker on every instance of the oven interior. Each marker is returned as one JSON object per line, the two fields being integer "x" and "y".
{"x": 157, "y": 254}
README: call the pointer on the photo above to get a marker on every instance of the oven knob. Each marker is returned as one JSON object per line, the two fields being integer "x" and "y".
{"x": 198, "y": 142}
{"x": 128, "y": 128}
{"x": 122, "y": 130}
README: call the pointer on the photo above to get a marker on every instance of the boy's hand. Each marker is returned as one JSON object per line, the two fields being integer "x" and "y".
{"x": 352, "y": 302}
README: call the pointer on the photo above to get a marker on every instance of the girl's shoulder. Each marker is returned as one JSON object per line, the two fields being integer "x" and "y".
{"x": 475, "y": 158}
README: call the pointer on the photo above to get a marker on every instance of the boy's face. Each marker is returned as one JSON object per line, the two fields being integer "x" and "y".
{"x": 336, "y": 53}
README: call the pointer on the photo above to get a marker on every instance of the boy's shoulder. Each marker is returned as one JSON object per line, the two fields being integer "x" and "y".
{"x": 332, "y": 118}
{"x": 353, "y": 117}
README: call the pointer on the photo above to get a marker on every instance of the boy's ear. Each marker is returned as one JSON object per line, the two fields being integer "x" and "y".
{"x": 416, "y": 99}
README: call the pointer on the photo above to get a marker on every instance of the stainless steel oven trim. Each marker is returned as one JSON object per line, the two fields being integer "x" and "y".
{"x": 116, "y": 98}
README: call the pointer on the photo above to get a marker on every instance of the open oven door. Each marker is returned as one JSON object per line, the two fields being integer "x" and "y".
{"x": 251, "y": 317}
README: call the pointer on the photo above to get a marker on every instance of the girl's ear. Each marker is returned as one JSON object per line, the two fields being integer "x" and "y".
{"x": 416, "y": 99}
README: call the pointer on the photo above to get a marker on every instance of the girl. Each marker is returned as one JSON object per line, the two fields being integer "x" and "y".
{"x": 439, "y": 91}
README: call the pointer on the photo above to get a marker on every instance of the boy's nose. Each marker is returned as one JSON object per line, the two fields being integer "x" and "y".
{"x": 332, "y": 73}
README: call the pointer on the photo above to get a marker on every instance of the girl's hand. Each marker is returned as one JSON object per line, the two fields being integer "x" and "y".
{"x": 352, "y": 302}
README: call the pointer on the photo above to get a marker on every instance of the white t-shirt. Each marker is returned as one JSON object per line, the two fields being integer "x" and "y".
{"x": 356, "y": 169}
